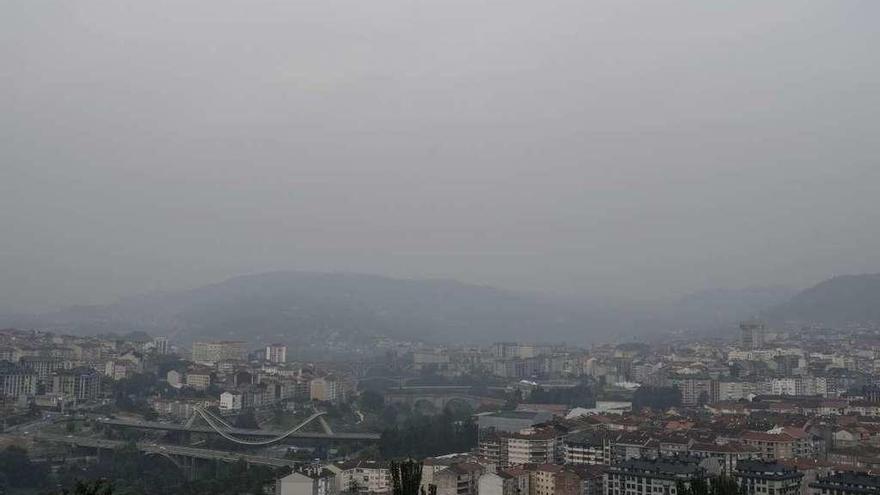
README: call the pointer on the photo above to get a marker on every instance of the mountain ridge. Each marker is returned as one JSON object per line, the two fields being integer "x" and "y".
{"x": 307, "y": 307}
{"x": 839, "y": 300}
{"x": 312, "y": 305}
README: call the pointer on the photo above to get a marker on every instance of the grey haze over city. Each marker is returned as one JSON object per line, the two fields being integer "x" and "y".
{"x": 448, "y": 247}
{"x": 607, "y": 150}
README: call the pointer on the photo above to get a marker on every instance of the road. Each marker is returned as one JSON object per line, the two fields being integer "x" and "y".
{"x": 171, "y": 450}
{"x": 153, "y": 425}
{"x": 31, "y": 426}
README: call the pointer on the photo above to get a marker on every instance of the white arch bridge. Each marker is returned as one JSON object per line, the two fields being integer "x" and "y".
{"x": 227, "y": 431}
{"x": 214, "y": 424}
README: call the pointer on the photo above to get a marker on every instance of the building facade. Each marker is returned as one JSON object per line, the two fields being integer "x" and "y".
{"x": 209, "y": 353}
{"x": 17, "y": 381}
{"x": 587, "y": 448}
{"x": 276, "y": 353}
{"x": 752, "y": 335}
{"x": 651, "y": 476}
{"x": 845, "y": 483}
{"x": 767, "y": 478}
{"x": 362, "y": 477}
{"x": 78, "y": 383}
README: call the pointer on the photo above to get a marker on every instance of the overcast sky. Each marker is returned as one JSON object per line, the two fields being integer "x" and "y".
{"x": 608, "y": 148}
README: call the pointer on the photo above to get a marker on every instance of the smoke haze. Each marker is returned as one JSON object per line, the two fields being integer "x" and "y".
{"x": 609, "y": 149}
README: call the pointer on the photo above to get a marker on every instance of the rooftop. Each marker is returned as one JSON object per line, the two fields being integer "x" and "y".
{"x": 856, "y": 482}
{"x": 767, "y": 468}
{"x": 664, "y": 466}
{"x": 767, "y": 437}
{"x": 513, "y": 414}
{"x": 8, "y": 367}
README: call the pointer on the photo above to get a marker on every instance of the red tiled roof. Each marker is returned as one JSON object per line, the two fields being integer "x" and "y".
{"x": 767, "y": 437}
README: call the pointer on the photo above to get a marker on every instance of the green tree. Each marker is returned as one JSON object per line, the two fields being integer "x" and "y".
{"x": 406, "y": 477}
{"x": 99, "y": 487}
{"x": 247, "y": 419}
{"x": 725, "y": 485}
{"x": 423, "y": 436}
{"x": 580, "y": 395}
{"x": 658, "y": 398}
{"x": 18, "y": 470}
{"x": 716, "y": 485}
{"x": 372, "y": 401}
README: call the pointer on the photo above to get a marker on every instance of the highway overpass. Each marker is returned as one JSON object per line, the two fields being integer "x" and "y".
{"x": 242, "y": 432}
{"x": 175, "y": 453}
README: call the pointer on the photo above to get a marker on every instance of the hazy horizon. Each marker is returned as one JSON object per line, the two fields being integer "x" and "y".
{"x": 607, "y": 150}
{"x": 626, "y": 304}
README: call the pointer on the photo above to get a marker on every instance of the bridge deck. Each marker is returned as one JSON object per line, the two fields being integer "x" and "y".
{"x": 155, "y": 425}
{"x": 209, "y": 454}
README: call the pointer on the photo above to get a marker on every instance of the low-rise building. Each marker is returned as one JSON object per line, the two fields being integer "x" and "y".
{"x": 510, "y": 421}
{"x": 438, "y": 359}
{"x": 727, "y": 455}
{"x": 767, "y": 478}
{"x": 499, "y": 483}
{"x": 175, "y": 378}
{"x": 521, "y": 478}
{"x": 179, "y": 409}
{"x": 230, "y": 401}
{"x": 117, "y": 369}
{"x": 324, "y": 389}
{"x": 458, "y": 479}
{"x": 591, "y": 477}
{"x": 317, "y": 481}
{"x": 362, "y": 477}
{"x": 846, "y": 483}
{"x": 779, "y": 444}
{"x": 532, "y": 446}
{"x": 198, "y": 378}
{"x": 651, "y": 476}
{"x": 543, "y": 478}
{"x": 589, "y": 447}
{"x": 209, "y": 353}
{"x": 733, "y": 390}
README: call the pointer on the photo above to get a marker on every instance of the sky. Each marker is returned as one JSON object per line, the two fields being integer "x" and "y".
{"x": 609, "y": 149}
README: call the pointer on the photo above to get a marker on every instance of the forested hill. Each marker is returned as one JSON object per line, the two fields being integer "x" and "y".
{"x": 836, "y": 301}
{"x": 338, "y": 306}
{"x": 310, "y": 307}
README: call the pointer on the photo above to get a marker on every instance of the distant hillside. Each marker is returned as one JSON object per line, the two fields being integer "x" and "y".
{"x": 310, "y": 309}
{"x": 840, "y": 300}
{"x": 321, "y": 307}
{"x": 718, "y": 308}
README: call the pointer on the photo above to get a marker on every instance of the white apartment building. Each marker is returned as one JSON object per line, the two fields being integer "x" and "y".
{"x": 199, "y": 380}
{"x": 363, "y": 476}
{"x": 736, "y": 390}
{"x": 532, "y": 446}
{"x": 209, "y": 353}
{"x": 17, "y": 381}
{"x": 276, "y": 353}
{"x": 230, "y": 401}
{"x": 799, "y": 386}
{"x": 587, "y": 448}
{"x": 160, "y": 344}
{"x": 324, "y": 389}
